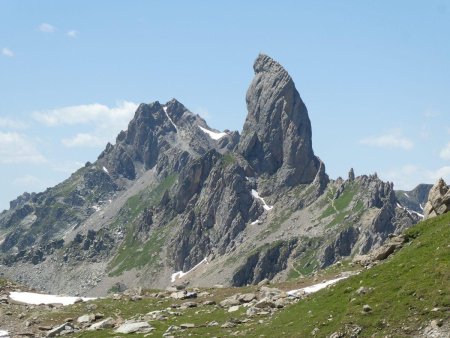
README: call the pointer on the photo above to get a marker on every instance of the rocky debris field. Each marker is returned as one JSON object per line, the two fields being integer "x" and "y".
{"x": 173, "y": 312}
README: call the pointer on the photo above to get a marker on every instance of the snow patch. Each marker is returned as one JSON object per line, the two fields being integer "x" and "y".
{"x": 256, "y": 195}
{"x": 170, "y": 119}
{"x": 255, "y": 222}
{"x": 406, "y": 194}
{"x": 314, "y": 288}
{"x": 409, "y": 211}
{"x": 180, "y": 274}
{"x": 4, "y": 334}
{"x": 96, "y": 208}
{"x": 38, "y": 298}
{"x": 105, "y": 170}
{"x": 213, "y": 134}
{"x": 420, "y": 205}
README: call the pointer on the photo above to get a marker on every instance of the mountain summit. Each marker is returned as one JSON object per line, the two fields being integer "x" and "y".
{"x": 174, "y": 201}
{"x": 277, "y": 132}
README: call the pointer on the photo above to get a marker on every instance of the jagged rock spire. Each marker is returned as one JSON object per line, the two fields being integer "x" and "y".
{"x": 277, "y": 132}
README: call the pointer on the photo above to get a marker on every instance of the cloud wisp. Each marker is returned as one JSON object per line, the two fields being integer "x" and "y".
{"x": 46, "y": 28}
{"x": 391, "y": 140}
{"x": 105, "y": 122}
{"x": 72, "y": 34}
{"x": 9, "y": 123}
{"x": 16, "y": 148}
{"x": 8, "y": 52}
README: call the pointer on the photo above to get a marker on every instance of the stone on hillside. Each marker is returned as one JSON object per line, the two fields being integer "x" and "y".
{"x": 134, "y": 327}
{"x": 228, "y": 325}
{"x": 246, "y": 297}
{"x": 265, "y": 303}
{"x": 86, "y": 319}
{"x": 183, "y": 295}
{"x": 187, "y": 326}
{"x": 104, "y": 324}
{"x": 367, "y": 308}
{"x": 233, "y": 308}
{"x": 209, "y": 302}
{"x": 438, "y": 200}
{"x": 58, "y": 329}
{"x": 189, "y": 304}
{"x": 229, "y": 302}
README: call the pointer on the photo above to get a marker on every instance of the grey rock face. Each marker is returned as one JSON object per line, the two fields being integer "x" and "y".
{"x": 277, "y": 132}
{"x": 438, "y": 200}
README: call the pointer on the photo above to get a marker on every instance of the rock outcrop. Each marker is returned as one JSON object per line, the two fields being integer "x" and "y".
{"x": 438, "y": 200}
{"x": 277, "y": 132}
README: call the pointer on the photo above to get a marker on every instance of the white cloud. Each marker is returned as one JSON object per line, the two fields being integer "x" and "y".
{"x": 72, "y": 34}
{"x": 409, "y": 176}
{"x": 6, "y": 122}
{"x": 445, "y": 152}
{"x": 105, "y": 122}
{"x": 84, "y": 140}
{"x": 393, "y": 139}
{"x": 7, "y": 52}
{"x": 15, "y": 148}
{"x": 86, "y": 113}
{"x": 47, "y": 28}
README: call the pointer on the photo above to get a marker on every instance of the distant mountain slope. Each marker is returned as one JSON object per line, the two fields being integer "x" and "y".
{"x": 173, "y": 196}
{"x": 414, "y": 199}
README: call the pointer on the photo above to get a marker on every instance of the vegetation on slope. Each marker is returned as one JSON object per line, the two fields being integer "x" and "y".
{"x": 404, "y": 293}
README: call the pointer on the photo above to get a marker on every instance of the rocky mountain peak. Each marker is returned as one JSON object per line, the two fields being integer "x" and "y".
{"x": 276, "y": 137}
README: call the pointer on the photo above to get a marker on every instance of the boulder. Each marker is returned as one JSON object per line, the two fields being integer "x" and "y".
{"x": 438, "y": 200}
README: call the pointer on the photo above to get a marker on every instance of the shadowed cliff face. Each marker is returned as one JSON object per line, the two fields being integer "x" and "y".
{"x": 277, "y": 132}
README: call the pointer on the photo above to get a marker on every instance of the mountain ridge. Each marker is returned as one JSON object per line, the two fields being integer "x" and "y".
{"x": 167, "y": 196}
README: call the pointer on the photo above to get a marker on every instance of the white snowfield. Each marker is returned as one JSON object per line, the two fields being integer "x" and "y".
{"x": 315, "y": 287}
{"x": 256, "y": 195}
{"x": 170, "y": 119}
{"x": 213, "y": 134}
{"x": 38, "y": 298}
{"x": 4, "y": 334}
{"x": 180, "y": 274}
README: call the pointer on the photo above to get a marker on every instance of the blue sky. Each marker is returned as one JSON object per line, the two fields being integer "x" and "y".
{"x": 375, "y": 76}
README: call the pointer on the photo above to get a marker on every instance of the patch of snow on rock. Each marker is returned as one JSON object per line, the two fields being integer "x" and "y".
{"x": 255, "y": 222}
{"x": 38, "y": 298}
{"x": 256, "y": 195}
{"x": 96, "y": 208}
{"x": 406, "y": 194}
{"x": 105, "y": 170}
{"x": 180, "y": 274}
{"x": 4, "y": 334}
{"x": 213, "y": 134}
{"x": 170, "y": 119}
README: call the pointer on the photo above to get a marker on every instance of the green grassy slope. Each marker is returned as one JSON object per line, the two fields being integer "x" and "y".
{"x": 403, "y": 293}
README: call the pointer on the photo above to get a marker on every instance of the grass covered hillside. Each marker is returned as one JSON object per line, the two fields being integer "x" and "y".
{"x": 403, "y": 294}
